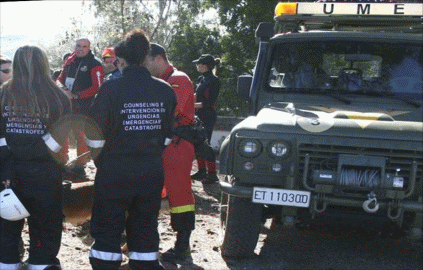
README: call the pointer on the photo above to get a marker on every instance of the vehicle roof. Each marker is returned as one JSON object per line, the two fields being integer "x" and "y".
{"x": 361, "y": 16}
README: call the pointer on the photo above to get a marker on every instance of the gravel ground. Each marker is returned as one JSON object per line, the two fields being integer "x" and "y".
{"x": 76, "y": 240}
{"x": 278, "y": 247}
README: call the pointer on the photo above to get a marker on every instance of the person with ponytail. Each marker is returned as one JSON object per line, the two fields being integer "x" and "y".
{"x": 207, "y": 91}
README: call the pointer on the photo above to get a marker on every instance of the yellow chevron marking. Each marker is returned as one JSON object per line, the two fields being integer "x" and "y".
{"x": 363, "y": 116}
{"x": 363, "y": 123}
{"x": 363, "y": 119}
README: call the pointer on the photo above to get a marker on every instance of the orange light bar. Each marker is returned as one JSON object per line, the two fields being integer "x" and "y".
{"x": 286, "y": 8}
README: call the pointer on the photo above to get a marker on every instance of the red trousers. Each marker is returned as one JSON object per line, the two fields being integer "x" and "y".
{"x": 81, "y": 148}
{"x": 177, "y": 161}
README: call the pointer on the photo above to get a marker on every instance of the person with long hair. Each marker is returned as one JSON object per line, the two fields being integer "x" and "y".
{"x": 5, "y": 75}
{"x": 206, "y": 93}
{"x": 135, "y": 114}
{"x": 30, "y": 143}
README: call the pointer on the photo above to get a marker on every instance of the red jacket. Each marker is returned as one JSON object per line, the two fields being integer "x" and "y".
{"x": 184, "y": 91}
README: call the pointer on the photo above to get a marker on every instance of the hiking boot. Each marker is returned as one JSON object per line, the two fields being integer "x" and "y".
{"x": 211, "y": 178}
{"x": 200, "y": 175}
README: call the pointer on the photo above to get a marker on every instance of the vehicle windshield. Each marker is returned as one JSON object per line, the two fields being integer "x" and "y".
{"x": 356, "y": 67}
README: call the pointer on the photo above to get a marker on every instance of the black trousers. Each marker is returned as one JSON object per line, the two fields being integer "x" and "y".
{"x": 126, "y": 196}
{"x": 208, "y": 116}
{"x": 38, "y": 185}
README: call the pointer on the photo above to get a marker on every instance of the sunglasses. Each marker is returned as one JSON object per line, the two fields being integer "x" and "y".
{"x": 5, "y": 71}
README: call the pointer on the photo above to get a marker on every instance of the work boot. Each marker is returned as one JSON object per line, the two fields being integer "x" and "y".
{"x": 200, "y": 175}
{"x": 211, "y": 178}
{"x": 181, "y": 251}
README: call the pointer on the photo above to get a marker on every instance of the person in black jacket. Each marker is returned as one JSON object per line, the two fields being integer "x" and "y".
{"x": 81, "y": 77}
{"x": 135, "y": 114}
{"x": 206, "y": 93}
{"x": 30, "y": 143}
{"x": 5, "y": 75}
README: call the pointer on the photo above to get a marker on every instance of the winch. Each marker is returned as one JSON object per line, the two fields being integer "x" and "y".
{"x": 360, "y": 172}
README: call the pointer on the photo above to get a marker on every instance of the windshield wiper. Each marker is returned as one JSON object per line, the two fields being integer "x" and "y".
{"x": 393, "y": 96}
{"x": 406, "y": 100}
{"x": 338, "y": 97}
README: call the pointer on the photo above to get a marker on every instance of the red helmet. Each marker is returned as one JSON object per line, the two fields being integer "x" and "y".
{"x": 108, "y": 53}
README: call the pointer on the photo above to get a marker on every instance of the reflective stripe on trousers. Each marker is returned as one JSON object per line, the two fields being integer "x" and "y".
{"x": 9, "y": 266}
{"x": 105, "y": 256}
{"x": 37, "y": 267}
{"x": 148, "y": 256}
{"x": 17, "y": 266}
{"x": 111, "y": 256}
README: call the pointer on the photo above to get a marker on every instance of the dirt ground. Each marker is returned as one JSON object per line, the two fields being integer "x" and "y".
{"x": 204, "y": 241}
{"x": 277, "y": 248}
{"x": 76, "y": 240}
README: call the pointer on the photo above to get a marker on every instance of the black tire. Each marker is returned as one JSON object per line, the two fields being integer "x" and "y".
{"x": 240, "y": 226}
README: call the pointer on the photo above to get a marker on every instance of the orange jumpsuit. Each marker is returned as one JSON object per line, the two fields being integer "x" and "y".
{"x": 177, "y": 157}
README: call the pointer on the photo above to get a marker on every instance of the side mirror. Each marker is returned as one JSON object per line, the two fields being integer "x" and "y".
{"x": 244, "y": 85}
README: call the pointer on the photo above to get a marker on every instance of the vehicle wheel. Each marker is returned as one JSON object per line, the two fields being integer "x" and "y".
{"x": 240, "y": 225}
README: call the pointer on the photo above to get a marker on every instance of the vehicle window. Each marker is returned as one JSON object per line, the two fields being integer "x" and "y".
{"x": 347, "y": 66}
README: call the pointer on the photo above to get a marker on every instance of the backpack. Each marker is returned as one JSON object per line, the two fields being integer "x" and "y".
{"x": 195, "y": 133}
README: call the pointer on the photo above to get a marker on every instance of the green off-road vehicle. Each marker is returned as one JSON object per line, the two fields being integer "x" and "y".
{"x": 335, "y": 132}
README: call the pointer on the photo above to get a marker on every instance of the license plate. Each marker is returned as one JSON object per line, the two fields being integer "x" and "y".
{"x": 281, "y": 197}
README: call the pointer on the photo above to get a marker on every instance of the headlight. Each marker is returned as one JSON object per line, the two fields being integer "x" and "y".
{"x": 279, "y": 149}
{"x": 250, "y": 148}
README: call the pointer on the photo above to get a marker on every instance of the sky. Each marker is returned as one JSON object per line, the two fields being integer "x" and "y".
{"x": 36, "y": 22}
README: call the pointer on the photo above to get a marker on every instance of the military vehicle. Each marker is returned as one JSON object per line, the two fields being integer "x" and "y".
{"x": 335, "y": 127}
